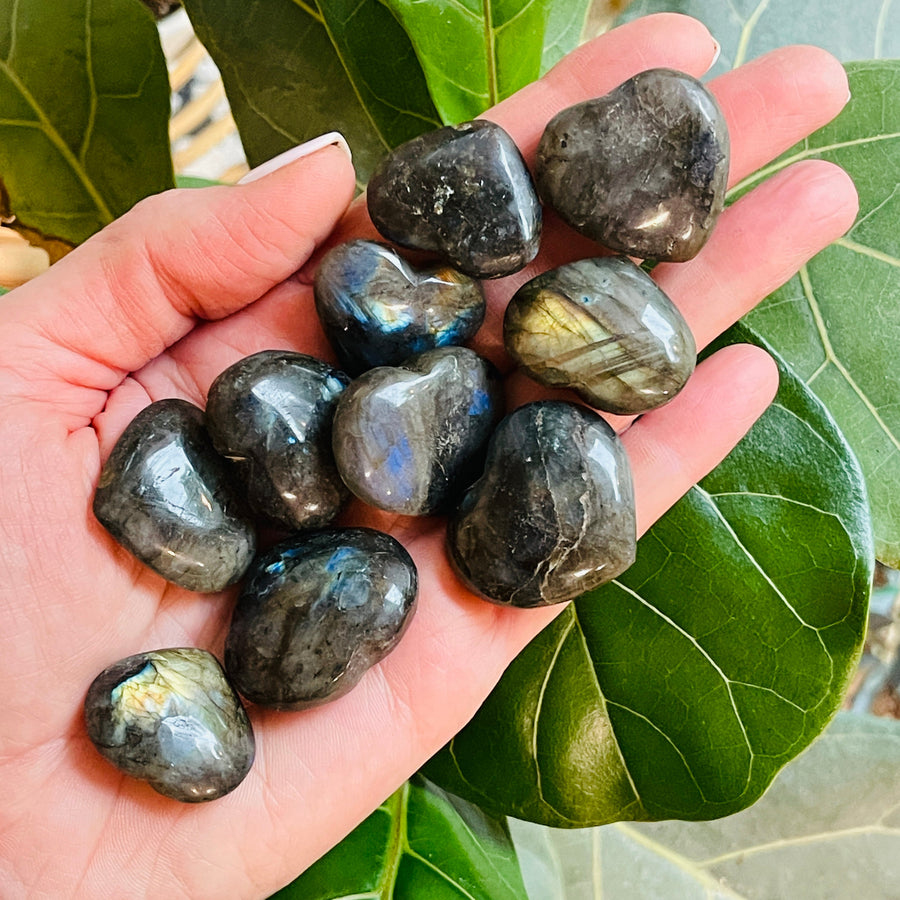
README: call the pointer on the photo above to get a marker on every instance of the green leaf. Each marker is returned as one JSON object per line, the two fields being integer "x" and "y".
{"x": 84, "y": 108}
{"x": 477, "y": 52}
{"x": 828, "y": 827}
{"x": 679, "y": 690}
{"x": 421, "y": 842}
{"x": 837, "y": 323}
{"x": 293, "y": 70}
{"x": 745, "y": 29}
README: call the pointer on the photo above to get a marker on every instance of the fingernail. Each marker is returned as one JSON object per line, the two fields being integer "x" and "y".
{"x": 715, "y": 58}
{"x": 333, "y": 138}
{"x": 849, "y": 96}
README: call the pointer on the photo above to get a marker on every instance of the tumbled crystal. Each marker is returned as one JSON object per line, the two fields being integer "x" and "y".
{"x": 165, "y": 495}
{"x": 604, "y": 328}
{"x": 409, "y": 439}
{"x": 270, "y": 414}
{"x": 170, "y": 718}
{"x": 316, "y": 612}
{"x": 642, "y": 170}
{"x": 378, "y": 310}
{"x": 464, "y": 192}
{"x": 553, "y": 514}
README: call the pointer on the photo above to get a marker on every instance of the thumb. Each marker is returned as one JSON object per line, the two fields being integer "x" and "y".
{"x": 139, "y": 285}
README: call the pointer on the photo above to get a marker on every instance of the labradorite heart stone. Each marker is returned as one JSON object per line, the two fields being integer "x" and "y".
{"x": 553, "y": 514}
{"x": 463, "y": 192}
{"x": 171, "y": 718}
{"x": 409, "y": 439}
{"x": 270, "y": 414}
{"x": 378, "y": 310}
{"x": 316, "y": 612}
{"x": 643, "y": 170}
{"x": 603, "y": 328}
{"x": 166, "y": 496}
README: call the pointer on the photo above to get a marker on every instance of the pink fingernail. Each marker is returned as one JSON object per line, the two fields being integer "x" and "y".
{"x": 333, "y": 138}
{"x": 715, "y": 58}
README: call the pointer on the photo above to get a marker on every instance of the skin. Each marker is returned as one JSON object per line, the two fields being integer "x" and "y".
{"x": 188, "y": 282}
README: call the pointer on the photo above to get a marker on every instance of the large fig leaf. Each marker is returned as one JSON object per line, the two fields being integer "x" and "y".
{"x": 476, "y": 53}
{"x": 828, "y": 828}
{"x": 294, "y": 70}
{"x": 837, "y": 323}
{"x": 419, "y": 843}
{"x": 680, "y": 689}
{"x": 84, "y": 109}
{"x": 851, "y": 29}
{"x": 380, "y": 71}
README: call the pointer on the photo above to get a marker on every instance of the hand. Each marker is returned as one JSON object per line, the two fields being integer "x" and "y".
{"x": 176, "y": 291}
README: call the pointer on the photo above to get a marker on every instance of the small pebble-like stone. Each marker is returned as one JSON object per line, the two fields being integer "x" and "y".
{"x": 410, "y": 439}
{"x": 165, "y": 495}
{"x": 643, "y": 170}
{"x": 170, "y": 718}
{"x": 316, "y": 612}
{"x": 377, "y": 310}
{"x": 553, "y": 514}
{"x": 270, "y": 414}
{"x": 464, "y": 192}
{"x": 604, "y": 328}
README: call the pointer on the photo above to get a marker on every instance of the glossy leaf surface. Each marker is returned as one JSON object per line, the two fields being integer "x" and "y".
{"x": 380, "y": 72}
{"x": 838, "y": 322}
{"x": 84, "y": 108}
{"x": 828, "y": 827}
{"x": 680, "y": 689}
{"x": 419, "y": 843}
{"x": 476, "y": 53}
{"x": 294, "y": 70}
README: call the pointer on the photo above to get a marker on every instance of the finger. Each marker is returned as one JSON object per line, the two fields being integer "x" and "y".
{"x": 775, "y": 101}
{"x": 691, "y": 435}
{"x": 141, "y": 284}
{"x": 759, "y": 243}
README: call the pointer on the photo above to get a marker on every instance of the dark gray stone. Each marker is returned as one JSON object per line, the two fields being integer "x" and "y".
{"x": 377, "y": 310}
{"x": 603, "y": 328}
{"x": 165, "y": 495}
{"x": 464, "y": 192}
{"x": 316, "y": 612}
{"x": 270, "y": 414}
{"x": 410, "y": 439}
{"x": 642, "y": 170}
{"x": 553, "y": 514}
{"x": 170, "y": 718}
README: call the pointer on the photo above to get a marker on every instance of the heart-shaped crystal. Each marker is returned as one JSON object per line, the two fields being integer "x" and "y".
{"x": 642, "y": 170}
{"x": 464, "y": 192}
{"x": 409, "y": 439}
{"x": 316, "y": 612}
{"x": 171, "y": 718}
{"x": 165, "y": 495}
{"x": 553, "y": 514}
{"x": 377, "y": 310}
{"x": 270, "y": 414}
{"x": 604, "y": 328}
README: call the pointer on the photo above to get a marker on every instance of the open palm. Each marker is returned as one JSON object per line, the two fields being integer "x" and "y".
{"x": 184, "y": 286}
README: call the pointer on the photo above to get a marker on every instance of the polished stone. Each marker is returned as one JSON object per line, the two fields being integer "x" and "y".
{"x": 553, "y": 514}
{"x": 603, "y": 328}
{"x": 465, "y": 193}
{"x": 643, "y": 170}
{"x": 316, "y": 612}
{"x": 270, "y": 414}
{"x": 170, "y": 717}
{"x": 166, "y": 496}
{"x": 410, "y": 439}
{"x": 378, "y": 310}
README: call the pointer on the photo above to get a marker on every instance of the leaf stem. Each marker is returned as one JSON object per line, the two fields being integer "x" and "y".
{"x": 490, "y": 54}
